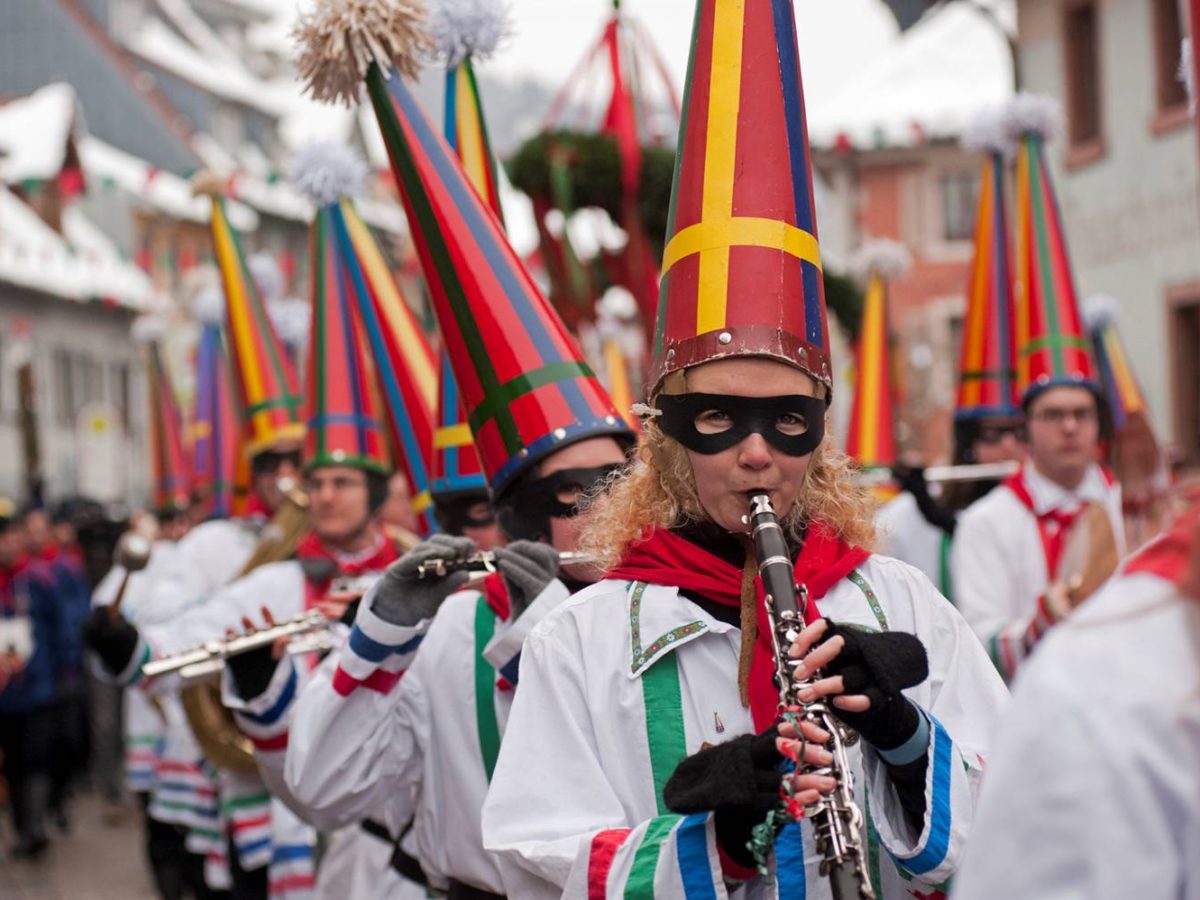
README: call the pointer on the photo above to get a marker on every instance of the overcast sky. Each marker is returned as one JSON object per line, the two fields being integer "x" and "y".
{"x": 836, "y": 36}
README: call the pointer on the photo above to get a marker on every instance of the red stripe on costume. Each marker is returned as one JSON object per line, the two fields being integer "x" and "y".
{"x": 292, "y": 883}
{"x": 379, "y": 681}
{"x": 604, "y": 847}
{"x": 257, "y": 822}
{"x": 267, "y": 745}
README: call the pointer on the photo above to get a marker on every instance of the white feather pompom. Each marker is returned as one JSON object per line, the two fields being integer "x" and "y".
{"x": 1187, "y": 74}
{"x": 267, "y": 275}
{"x": 987, "y": 133}
{"x": 1033, "y": 114}
{"x": 463, "y": 28}
{"x": 148, "y": 329}
{"x": 208, "y": 306}
{"x": 338, "y": 40}
{"x": 886, "y": 258}
{"x": 292, "y": 320}
{"x": 326, "y": 172}
{"x": 1100, "y": 310}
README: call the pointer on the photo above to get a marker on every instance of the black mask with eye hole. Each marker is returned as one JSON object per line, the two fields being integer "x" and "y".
{"x": 457, "y": 512}
{"x": 743, "y": 416}
{"x": 526, "y": 512}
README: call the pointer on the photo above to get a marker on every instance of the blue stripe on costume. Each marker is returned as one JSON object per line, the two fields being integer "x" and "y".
{"x": 938, "y": 841}
{"x": 291, "y": 852}
{"x": 374, "y": 652}
{"x": 691, "y": 847}
{"x": 272, "y": 715}
{"x": 789, "y": 862}
{"x": 511, "y": 669}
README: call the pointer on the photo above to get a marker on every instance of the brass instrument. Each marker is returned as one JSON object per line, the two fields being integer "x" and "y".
{"x": 212, "y": 724}
{"x": 837, "y": 821}
{"x": 484, "y": 563}
{"x": 132, "y": 553}
{"x": 309, "y": 632}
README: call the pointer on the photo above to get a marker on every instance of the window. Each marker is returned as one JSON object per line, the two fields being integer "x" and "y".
{"x": 1184, "y": 330}
{"x": 960, "y": 195}
{"x": 1082, "y": 59}
{"x": 1170, "y": 93}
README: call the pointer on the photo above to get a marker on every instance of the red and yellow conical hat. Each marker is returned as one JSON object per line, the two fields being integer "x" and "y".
{"x": 871, "y": 439}
{"x": 263, "y": 374}
{"x": 742, "y": 265}
{"x": 168, "y": 457}
{"x": 343, "y": 425}
{"x": 987, "y": 364}
{"x": 402, "y": 369}
{"x": 1052, "y": 348}
{"x": 215, "y": 432}
{"x": 1121, "y": 387}
{"x": 525, "y": 387}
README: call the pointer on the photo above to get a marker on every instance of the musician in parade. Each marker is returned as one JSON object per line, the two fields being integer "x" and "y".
{"x": 1008, "y": 555}
{"x": 647, "y": 700}
{"x": 1093, "y": 785}
{"x": 410, "y": 720}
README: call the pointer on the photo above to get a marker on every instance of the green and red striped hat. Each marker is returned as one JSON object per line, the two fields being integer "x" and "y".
{"x": 1052, "y": 346}
{"x": 525, "y": 387}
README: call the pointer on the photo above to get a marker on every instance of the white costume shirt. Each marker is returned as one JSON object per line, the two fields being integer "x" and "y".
{"x": 998, "y": 562}
{"x": 1094, "y": 787}
{"x": 908, "y": 536}
{"x": 402, "y": 726}
{"x": 575, "y": 806}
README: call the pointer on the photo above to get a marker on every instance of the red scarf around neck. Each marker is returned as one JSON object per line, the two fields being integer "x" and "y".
{"x": 666, "y": 558}
{"x": 383, "y": 555}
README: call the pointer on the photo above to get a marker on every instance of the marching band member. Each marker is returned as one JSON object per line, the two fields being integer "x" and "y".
{"x": 1006, "y": 556}
{"x": 916, "y": 526}
{"x": 415, "y": 709}
{"x": 642, "y": 749}
{"x": 1093, "y": 784}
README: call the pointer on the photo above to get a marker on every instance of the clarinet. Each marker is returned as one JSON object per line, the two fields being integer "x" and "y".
{"x": 836, "y": 818}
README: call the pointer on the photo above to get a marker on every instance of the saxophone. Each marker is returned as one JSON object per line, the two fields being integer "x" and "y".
{"x": 836, "y": 818}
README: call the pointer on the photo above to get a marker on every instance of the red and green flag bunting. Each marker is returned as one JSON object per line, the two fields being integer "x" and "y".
{"x": 1052, "y": 348}
{"x": 872, "y": 438}
{"x": 215, "y": 432}
{"x": 265, "y": 378}
{"x": 987, "y": 367}
{"x": 168, "y": 458}
{"x": 524, "y": 385}
{"x": 742, "y": 265}
{"x": 343, "y": 428}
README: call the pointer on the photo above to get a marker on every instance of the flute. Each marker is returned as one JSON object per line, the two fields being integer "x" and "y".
{"x": 485, "y": 563}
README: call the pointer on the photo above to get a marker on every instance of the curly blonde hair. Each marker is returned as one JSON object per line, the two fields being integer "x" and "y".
{"x": 658, "y": 490}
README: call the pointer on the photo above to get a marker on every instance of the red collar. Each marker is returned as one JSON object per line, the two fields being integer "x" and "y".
{"x": 376, "y": 559}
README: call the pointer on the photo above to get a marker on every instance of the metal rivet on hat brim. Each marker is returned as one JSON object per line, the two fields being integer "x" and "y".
{"x": 560, "y": 433}
{"x": 725, "y": 337}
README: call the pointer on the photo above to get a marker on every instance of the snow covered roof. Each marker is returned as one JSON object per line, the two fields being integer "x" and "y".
{"x": 81, "y": 264}
{"x": 34, "y": 133}
{"x": 929, "y": 84}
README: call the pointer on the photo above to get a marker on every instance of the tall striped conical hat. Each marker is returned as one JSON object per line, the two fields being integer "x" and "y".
{"x": 215, "y": 432}
{"x": 171, "y": 480}
{"x": 456, "y": 465}
{"x": 403, "y": 366}
{"x": 1121, "y": 387}
{"x": 1052, "y": 348}
{"x": 987, "y": 364}
{"x": 268, "y": 396}
{"x": 742, "y": 265}
{"x": 525, "y": 387}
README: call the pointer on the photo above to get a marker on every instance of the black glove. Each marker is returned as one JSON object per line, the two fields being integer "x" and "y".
{"x": 527, "y": 568}
{"x": 403, "y": 598}
{"x": 739, "y": 781}
{"x": 879, "y": 665}
{"x": 113, "y": 641}
{"x": 252, "y": 672}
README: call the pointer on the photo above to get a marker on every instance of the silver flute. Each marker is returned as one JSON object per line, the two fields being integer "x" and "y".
{"x": 836, "y": 819}
{"x": 309, "y": 633}
{"x": 485, "y": 563}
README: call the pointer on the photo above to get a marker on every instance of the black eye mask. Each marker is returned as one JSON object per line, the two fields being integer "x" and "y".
{"x": 542, "y": 495}
{"x": 747, "y": 415}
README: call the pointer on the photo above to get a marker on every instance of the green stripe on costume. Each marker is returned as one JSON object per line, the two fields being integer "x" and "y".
{"x": 640, "y": 883}
{"x": 485, "y": 688}
{"x": 663, "y": 700}
{"x": 243, "y": 802}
